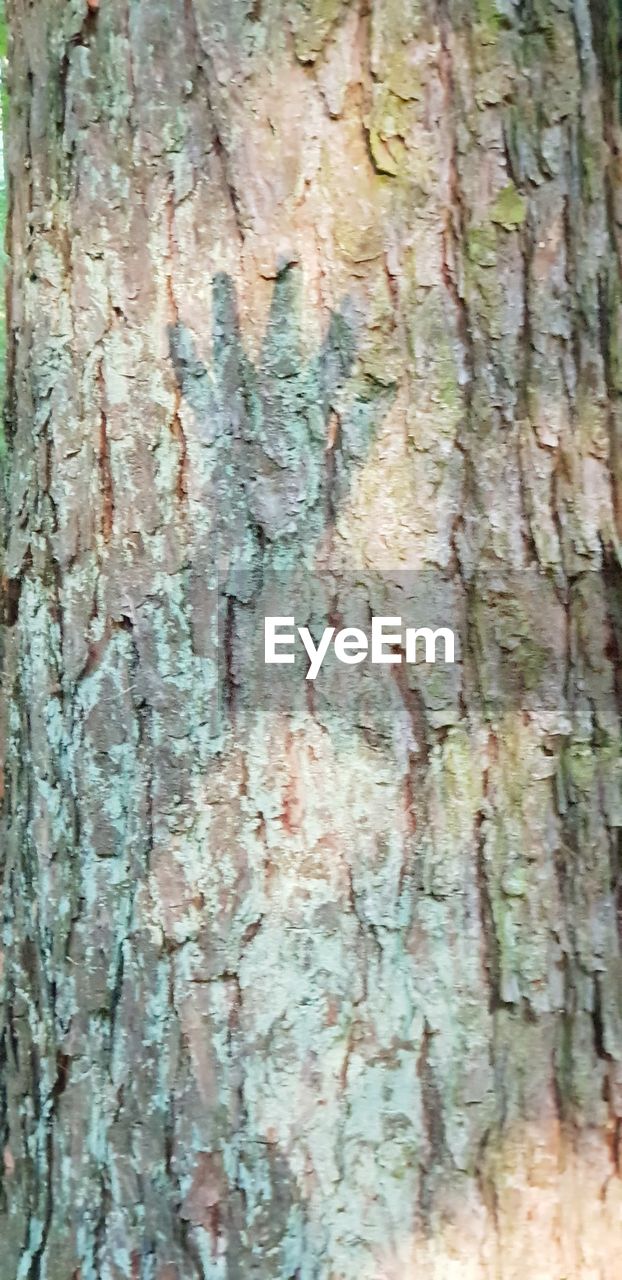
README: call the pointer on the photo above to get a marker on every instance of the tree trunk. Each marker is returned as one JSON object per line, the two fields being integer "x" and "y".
{"x": 312, "y": 991}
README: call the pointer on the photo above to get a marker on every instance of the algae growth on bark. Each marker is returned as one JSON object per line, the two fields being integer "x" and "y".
{"x": 332, "y": 287}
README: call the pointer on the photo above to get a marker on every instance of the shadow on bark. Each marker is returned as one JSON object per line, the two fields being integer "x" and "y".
{"x": 408, "y": 773}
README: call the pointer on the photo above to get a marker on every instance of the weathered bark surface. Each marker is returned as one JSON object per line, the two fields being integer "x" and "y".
{"x": 333, "y": 282}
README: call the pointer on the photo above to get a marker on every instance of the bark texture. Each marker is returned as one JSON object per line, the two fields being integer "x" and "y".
{"x": 324, "y": 282}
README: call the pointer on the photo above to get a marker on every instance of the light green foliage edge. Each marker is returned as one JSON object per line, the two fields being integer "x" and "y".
{"x": 3, "y": 212}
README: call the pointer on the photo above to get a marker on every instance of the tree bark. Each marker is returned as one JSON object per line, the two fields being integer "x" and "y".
{"x": 308, "y": 282}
